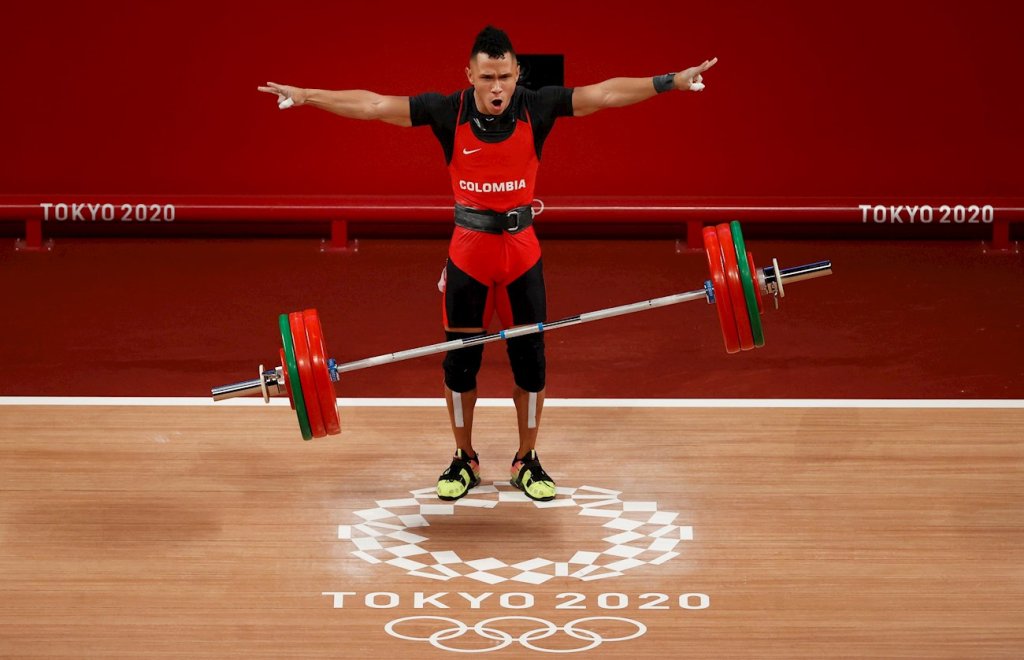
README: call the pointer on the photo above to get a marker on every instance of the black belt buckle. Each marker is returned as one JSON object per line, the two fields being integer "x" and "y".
{"x": 512, "y": 228}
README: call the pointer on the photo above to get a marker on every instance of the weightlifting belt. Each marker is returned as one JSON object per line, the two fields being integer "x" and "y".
{"x": 494, "y": 222}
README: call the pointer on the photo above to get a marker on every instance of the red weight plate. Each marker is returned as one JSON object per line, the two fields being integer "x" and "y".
{"x": 284, "y": 379}
{"x": 316, "y": 420}
{"x": 321, "y": 374}
{"x": 757, "y": 283}
{"x": 723, "y": 303}
{"x": 735, "y": 284}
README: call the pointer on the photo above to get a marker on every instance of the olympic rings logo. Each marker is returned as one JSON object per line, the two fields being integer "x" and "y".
{"x": 485, "y": 630}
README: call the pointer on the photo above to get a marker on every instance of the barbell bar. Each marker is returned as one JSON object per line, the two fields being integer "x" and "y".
{"x": 307, "y": 375}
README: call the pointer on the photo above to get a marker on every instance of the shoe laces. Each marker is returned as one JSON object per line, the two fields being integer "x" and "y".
{"x": 532, "y": 462}
{"x": 459, "y": 462}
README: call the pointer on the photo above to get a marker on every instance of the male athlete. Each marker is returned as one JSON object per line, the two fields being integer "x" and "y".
{"x": 492, "y": 135}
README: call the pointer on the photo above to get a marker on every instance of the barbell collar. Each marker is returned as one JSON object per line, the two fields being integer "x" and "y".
{"x": 269, "y": 383}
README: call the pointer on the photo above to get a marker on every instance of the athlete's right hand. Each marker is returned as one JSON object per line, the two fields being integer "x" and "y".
{"x": 287, "y": 96}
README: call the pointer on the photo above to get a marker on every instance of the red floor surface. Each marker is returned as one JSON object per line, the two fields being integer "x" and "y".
{"x": 118, "y": 317}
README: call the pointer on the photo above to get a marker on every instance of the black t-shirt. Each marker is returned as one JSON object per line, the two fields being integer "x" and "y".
{"x": 542, "y": 107}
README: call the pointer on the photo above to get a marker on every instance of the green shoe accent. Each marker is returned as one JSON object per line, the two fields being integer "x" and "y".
{"x": 461, "y": 475}
{"x": 529, "y": 477}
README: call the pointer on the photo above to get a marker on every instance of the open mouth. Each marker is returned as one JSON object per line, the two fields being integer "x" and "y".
{"x": 496, "y": 103}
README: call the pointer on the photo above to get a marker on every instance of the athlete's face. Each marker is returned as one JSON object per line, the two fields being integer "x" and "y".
{"x": 493, "y": 80}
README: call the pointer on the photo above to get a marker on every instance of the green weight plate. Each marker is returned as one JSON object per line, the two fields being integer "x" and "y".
{"x": 293, "y": 376}
{"x": 747, "y": 279}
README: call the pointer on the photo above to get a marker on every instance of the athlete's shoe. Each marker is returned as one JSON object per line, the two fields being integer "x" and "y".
{"x": 529, "y": 477}
{"x": 461, "y": 475}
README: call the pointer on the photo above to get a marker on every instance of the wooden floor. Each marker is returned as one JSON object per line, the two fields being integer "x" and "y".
{"x": 799, "y": 533}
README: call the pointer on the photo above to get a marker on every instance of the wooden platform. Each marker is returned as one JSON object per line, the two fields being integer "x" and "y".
{"x": 799, "y": 533}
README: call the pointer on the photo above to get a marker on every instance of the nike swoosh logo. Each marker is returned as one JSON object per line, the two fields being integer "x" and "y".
{"x": 470, "y": 151}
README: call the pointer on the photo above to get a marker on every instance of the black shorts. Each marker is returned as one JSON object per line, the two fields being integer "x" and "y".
{"x": 469, "y": 303}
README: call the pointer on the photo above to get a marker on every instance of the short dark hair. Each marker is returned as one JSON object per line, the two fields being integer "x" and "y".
{"x": 493, "y": 42}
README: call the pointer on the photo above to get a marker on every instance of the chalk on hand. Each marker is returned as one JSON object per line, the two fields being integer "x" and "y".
{"x": 696, "y": 87}
{"x": 285, "y": 103}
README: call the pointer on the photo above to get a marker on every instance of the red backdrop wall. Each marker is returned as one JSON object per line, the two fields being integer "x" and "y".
{"x": 809, "y": 97}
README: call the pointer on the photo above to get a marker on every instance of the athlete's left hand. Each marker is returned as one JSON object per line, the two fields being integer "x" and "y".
{"x": 691, "y": 79}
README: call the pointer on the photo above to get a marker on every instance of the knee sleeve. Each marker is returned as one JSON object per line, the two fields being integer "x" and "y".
{"x": 526, "y": 355}
{"x": 462, "y": 366}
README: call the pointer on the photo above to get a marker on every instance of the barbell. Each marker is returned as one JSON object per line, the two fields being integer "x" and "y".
{"x": 737, "y": 289}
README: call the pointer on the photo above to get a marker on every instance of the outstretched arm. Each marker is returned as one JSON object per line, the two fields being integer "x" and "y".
{"x": 351, "y": 103}
{"x": 619, "y": 92}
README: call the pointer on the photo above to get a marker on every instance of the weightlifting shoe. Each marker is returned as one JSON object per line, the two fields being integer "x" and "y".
{"x": 529, "y": 477}
{"x": 461, "y": 475}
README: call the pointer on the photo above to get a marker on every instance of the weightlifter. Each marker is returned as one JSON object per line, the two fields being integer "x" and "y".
{"x": 492, "y": 135}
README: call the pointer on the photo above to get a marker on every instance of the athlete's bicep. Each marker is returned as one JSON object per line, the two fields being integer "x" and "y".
{"x": 586, "y": 100}
{"x": 393, "y": 110}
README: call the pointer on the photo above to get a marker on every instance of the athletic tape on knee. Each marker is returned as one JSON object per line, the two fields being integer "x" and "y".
{"x": 460, "y": 421}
